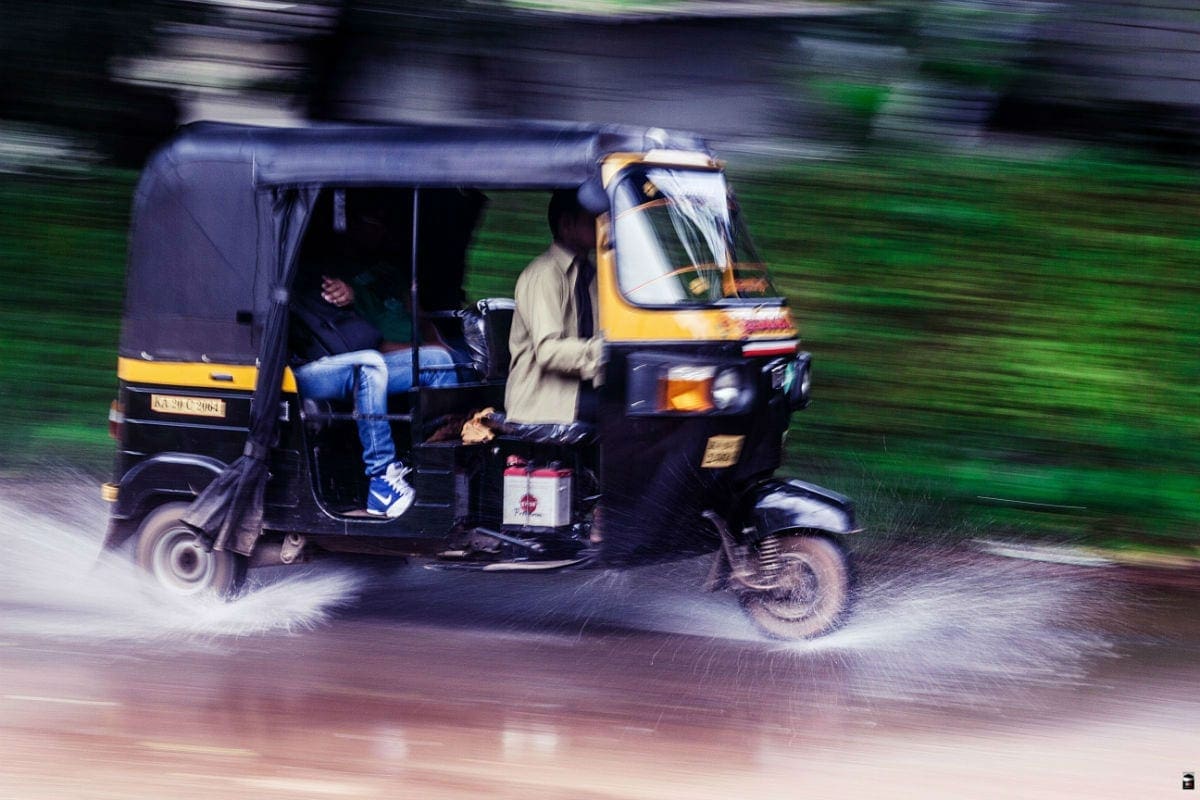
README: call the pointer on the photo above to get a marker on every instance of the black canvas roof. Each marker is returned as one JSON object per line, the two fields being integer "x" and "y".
{"x": 526, "y": 155}
{"x": 218, "y": 206}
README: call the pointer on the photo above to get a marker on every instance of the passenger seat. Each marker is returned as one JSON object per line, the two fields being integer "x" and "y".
{"x": 486, "y": 332}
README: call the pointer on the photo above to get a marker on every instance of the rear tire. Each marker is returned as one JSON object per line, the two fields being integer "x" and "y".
{"x": 175, "y": 556}
{"x": 811, "y": 594}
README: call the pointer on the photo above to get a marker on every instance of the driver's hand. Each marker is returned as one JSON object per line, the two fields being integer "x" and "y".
{"x": 336, "y": 291}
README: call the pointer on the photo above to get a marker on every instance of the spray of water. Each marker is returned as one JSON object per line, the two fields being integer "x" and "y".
{"x": 944, "y": 625}
{"x": 55, "y": 584}
{"x": 948, "y": 624}
{"x": 963, "y": 626}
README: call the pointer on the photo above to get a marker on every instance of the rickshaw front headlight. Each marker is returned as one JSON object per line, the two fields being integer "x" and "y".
{"x": 687, "y": 389}
{"x": 727, "y": 388}
{"x": 670, "y": 384}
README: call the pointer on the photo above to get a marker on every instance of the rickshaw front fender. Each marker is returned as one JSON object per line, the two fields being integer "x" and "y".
{"x": 776, "y": 506}
{"x": 159, "y": 478}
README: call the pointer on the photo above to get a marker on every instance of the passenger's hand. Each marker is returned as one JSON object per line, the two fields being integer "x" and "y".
{"x": 336, "y": 291}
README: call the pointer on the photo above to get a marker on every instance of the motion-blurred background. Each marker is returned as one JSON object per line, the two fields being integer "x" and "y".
{"x": 983, "y": 211}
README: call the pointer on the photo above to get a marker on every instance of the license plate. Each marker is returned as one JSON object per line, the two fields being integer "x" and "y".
{"x": 722, "y": 451}
{"x": 187, "y": 406}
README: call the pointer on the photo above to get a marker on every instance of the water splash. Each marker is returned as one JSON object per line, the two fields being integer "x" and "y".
{"x": 941, "y": 623}
{"x": 54, "y": 583}
{"x": 947, "y": 625}
{"x": 963, "y": 625}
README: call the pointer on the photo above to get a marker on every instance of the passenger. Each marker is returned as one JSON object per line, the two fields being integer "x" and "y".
{"x": 370, "y": 288}
{"x": 334, "y": 358}
{"x": 337, "y": 354}
{"x": 556, "y": 353}
{"x": 390, "y": 316}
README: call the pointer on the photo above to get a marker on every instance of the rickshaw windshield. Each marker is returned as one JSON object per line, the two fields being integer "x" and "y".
{"x": 680, "y": 240}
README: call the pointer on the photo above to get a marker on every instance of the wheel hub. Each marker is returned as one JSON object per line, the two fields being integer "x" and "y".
{"x": 181, "y": 564}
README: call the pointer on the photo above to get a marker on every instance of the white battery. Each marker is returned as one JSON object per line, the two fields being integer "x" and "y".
{"x": 540, "y": 498}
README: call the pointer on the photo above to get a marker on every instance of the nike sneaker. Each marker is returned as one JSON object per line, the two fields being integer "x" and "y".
{"x": 389, "y": 494}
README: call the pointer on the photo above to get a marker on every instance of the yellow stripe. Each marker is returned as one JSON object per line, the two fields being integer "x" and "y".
{"x": 195, "y": 374}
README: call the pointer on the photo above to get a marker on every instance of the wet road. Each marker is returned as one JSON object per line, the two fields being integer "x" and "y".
{"x": 960, "y": 675}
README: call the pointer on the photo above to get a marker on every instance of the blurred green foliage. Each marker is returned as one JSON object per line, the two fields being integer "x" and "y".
{"x": 1019, "y": 338}
{"x": 62, "y": 256}
{"x": 858, "y": 99}
{"x": 997, "y": 343}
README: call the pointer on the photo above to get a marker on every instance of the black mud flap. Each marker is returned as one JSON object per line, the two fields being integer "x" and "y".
{"x": 774, "y": 506}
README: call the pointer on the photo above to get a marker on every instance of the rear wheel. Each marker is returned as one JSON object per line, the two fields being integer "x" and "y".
{"x": 172, "y": 553}
{"x": 805, "y": 588}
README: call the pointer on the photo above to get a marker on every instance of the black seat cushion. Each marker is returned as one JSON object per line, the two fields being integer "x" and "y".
{"x": 543, "y": 433}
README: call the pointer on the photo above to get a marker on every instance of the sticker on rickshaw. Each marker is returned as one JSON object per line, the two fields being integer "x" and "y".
{"x": 188, "y": 406}
{"x": 722, "y": 451}
{"x": 763, "y": 322}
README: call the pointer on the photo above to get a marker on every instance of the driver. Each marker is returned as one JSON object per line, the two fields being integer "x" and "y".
{"x": 556, "y": 353}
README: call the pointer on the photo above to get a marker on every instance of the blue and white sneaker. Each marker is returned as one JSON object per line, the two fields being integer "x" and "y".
{"x": 389, "y": 494}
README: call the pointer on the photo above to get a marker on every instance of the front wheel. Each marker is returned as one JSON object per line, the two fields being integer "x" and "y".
{"x": 172, "y": 553}
{"x": 805, "y": 587}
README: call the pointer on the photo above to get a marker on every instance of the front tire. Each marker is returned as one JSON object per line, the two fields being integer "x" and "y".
{"x": 176, "y": 558}
{"x": 808, "y": 596}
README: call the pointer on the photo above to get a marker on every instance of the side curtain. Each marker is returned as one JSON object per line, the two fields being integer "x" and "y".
{"x": 228, "y": 513}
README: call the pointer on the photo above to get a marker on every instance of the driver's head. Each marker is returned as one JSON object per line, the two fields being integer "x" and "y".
{"x": 570, "y": 223}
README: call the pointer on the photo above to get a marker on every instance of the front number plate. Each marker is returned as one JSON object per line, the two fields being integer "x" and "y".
{"x": 722, "y": 451}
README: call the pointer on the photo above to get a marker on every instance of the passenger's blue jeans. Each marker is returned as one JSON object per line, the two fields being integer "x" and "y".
{"x": 399, "y": 368}
{"x": 369, "y": 376}
{"x": 363, "y": 375}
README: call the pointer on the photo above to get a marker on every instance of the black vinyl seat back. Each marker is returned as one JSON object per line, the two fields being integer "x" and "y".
{"x": 486, "y": 334}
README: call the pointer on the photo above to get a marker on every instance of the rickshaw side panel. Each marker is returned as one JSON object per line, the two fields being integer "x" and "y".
{"x": 173, "y": 441}
{"x": 193, "y": 290}
{"x": 176, "y": 439}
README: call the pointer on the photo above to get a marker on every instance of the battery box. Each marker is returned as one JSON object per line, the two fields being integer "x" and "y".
{"x": 537, "y": 498}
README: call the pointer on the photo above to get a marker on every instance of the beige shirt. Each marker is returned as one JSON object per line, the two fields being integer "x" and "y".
{"x": 548, "y": 357}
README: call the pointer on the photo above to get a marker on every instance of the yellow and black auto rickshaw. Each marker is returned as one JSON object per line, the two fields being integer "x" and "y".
{"x": 222, "y": 465}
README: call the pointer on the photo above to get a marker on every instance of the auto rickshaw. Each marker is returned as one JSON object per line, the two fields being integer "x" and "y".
{"x": 222, "y": 466}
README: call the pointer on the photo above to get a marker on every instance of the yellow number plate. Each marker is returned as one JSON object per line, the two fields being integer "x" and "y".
{"x": 188, "y": 406}
{"x": 722, "y": 451}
